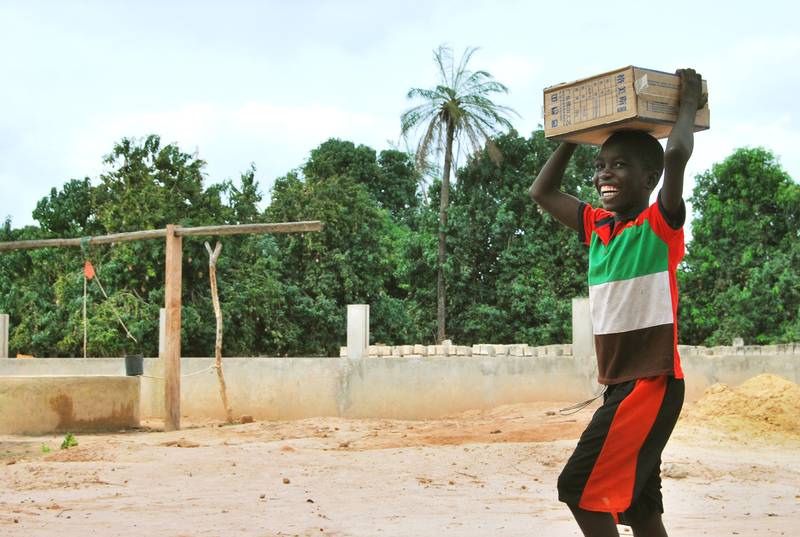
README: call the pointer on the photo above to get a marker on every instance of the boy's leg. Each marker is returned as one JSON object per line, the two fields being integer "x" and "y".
{"x": 594, "y": 523}
{"x": 646, "y": 509}
{"x": 604, "y": 466}
{"x": 652, "y": 527}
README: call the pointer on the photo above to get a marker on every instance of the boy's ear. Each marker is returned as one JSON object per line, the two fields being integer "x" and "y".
{"x": 652, "y": 179}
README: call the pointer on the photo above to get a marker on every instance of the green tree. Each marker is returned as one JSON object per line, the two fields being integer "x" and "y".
{"x": 69, "y": 212}
{"x": 353, "y": 260}
{"x": 390, "y": 179}
{"x": 457, "y": 110}
{"x": 145, "y": 185}
{"x": 513, "y": 269}
{"x": 740, "y": 276}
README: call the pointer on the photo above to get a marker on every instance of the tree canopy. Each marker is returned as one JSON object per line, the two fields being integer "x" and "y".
{"x": 741, "y": 276}
{"x": 512, "y": 271}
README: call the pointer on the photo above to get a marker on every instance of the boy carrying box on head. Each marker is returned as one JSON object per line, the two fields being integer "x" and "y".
{"x": 634, "y": 249}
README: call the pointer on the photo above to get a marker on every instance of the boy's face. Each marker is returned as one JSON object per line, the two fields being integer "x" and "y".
{"x": 622, "y": 181}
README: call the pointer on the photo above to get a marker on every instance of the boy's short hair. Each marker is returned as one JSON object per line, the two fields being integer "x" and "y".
{"x": 644, "y": 145}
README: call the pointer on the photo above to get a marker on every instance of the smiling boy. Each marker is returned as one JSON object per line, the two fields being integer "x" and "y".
{"x": 634, "y": 249}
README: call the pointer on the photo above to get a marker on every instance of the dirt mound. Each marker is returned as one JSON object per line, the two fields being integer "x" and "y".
{"x": 764, "y": 405}
{"x": 78, "y": 454}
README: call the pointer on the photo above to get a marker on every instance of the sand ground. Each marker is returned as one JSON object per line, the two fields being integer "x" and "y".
{"x": 476, "y": 473}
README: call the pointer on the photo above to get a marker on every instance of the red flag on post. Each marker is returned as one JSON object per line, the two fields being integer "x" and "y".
{"x": 88, "y": 270}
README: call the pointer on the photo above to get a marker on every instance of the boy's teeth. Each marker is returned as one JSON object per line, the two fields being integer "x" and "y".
{"x": 608, "y": 191}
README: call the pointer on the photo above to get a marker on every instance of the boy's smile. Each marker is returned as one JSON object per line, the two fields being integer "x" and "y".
{"x": 622, "y": 181}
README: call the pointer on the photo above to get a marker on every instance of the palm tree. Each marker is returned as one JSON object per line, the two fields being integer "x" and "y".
{"x": 456, "y": 110}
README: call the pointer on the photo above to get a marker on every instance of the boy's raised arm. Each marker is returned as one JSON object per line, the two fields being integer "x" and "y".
{"x": 681, "y": 140}
{"x": 546, "y": 189}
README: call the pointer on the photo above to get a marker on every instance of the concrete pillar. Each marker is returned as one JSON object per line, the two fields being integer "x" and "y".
{"x": 162, "y": 332}
{"x": 3, "y": 335}
{"x": 155, "y": 386}
{"x": 357, "y": 330}
{"x": 582, "y": 330}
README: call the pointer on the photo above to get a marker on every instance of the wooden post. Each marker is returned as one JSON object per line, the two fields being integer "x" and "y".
{"x": 172, "y": 343}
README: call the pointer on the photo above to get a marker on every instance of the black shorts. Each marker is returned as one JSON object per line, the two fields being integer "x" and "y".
{"x": 616, "y": 466}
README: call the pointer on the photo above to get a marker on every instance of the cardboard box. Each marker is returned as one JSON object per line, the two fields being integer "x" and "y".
{"x": 589, "y": 110}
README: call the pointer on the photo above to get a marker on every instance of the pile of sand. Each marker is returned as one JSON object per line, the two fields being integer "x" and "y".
{"x": 762, "y": 406}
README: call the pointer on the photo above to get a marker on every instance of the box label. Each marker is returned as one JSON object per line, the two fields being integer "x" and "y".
{"x": 592, "y": 100}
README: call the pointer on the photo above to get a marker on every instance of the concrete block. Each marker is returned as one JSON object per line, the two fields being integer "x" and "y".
{"x": 752, "y": 350}
{"x": 4, "y": 335}
{"x": 357, "y": 330}
{"x": 464, "y": 351}
{"x": 372, "y": 350}
{"x": 769, "y": 349}
{"x": 342, "y": 352}
{"x": 738, "y": 342}
{"x": 582, "y": 330}
{"x": 501, "y": 350}
{"x": 432, "y": 351}
{"x": 568, "y": 350}
{"x": 531, "y": 351}
{"x": 421, "y": 350}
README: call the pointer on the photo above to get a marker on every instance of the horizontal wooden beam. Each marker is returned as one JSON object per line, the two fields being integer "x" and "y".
{"x": 240, "y": 229}
{"x": 102, "y": 239}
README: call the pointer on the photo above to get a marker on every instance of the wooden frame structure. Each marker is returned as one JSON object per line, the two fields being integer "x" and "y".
{"x": 172, "y": 301}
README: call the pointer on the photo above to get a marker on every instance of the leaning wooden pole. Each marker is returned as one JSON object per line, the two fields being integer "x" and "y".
{"x": 212, "y": 273}
{"x": 172, "y": 343}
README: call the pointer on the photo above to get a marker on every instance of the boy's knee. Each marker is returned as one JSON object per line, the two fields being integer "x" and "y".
{"x": 568, "y": 492}
{"x": 642, "y": 512}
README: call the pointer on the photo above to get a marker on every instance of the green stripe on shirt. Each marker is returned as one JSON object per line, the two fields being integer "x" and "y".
{"x": 644, "y": 253}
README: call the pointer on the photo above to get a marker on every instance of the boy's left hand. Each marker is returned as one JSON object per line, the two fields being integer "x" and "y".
{"x": 692, "y": 88}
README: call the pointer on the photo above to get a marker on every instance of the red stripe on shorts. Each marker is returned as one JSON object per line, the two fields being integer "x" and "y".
{"x": 610, "y": 487}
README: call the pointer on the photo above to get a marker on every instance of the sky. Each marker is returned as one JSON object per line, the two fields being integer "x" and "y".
{"x": 265, "y": 82}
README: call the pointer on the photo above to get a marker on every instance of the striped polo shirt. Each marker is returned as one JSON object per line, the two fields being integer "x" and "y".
{"x": 633, "y": 293}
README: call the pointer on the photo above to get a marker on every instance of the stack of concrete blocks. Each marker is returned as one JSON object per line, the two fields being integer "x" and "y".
{"x": 582, "y": 342}
{"x": 448, "y": 349}
{"x": 739, "y": 350}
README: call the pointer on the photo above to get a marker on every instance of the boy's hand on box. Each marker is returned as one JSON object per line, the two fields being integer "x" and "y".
{"x": 692, "y": 87}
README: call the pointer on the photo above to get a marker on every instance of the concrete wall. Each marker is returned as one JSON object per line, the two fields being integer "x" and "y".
{"x": 407, "y": 386}
{"x": 46, "y": 404}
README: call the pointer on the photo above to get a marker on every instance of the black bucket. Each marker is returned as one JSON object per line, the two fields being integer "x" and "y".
{"x": 133, "y": 365}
